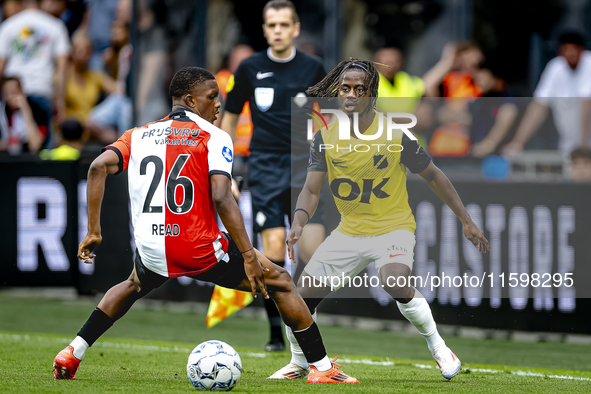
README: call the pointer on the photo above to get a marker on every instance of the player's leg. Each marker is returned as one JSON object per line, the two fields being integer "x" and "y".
{"x": 337, "y": 255}
{"x": 296, "y": 316}
{"x": 273, "y": 240}
{"x": 268, "y": 180}
{"x": 394, "y": 267}
{"x": 114, "y": 304}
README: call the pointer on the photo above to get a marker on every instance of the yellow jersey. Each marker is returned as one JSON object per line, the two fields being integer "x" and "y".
{"x": 368, "y": 178}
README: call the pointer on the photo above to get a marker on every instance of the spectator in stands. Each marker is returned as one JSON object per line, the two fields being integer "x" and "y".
{"x": 223, "y": 78}
{"x": 581, "y": 164}
{"x": 71, "y": 12}
{"x": 396, "y": 83}
{"x": 11, "y": 7}
{"x": 565, "y": 80}
{"x": 460, "y": 82}
{"x": 84, "y": 87}
{"x": 34, "y": 47}
{"x": 70, "y": 142}
{"x": 100, "y": 16}
{"x": 492, "y": 119}
{"x": 112, "y": 117}
{"x": 23, "y": 123}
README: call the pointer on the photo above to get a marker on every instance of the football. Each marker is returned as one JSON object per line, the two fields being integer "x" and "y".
{"x": 214, "y": 366}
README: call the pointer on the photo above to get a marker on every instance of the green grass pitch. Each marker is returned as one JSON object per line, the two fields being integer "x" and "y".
{"x": 147, "y": 350}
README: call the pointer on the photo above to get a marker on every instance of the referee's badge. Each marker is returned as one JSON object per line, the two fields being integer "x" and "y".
{"x": 264, "y": 98}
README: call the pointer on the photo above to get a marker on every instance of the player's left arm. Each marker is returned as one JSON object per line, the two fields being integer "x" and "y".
{"x": 107, "y": 163}
{"x": 230, "y": 214}
{"x": 442, "y": 186}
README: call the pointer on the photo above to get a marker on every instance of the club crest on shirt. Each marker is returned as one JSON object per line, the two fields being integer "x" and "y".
{"x": 227, "y": 153}
{"x": 380, "y": 162}
{"x": 264, "y": 98}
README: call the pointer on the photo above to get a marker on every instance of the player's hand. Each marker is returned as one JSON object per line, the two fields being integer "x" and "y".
{"x": 476, "y": 236}
{"x": 292, "y": 238}
{"x": 87, "y": 245}
{"x": 254, "y": 272}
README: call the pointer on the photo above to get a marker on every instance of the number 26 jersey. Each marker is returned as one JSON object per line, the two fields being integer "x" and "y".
{"x": 169, "y": 163}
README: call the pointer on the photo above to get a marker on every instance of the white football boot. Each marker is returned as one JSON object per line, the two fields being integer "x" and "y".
{"x": 290, "y": 371}
{"x": 448, "y": 362}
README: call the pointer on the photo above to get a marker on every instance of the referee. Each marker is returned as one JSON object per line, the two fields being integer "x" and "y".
{"x": 268, "y": 80}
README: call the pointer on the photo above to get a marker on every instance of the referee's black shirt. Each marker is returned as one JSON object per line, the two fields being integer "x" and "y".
{"x": 269, "y": 84}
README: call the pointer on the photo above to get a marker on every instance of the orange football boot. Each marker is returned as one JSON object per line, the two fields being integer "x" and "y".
{"x": 333, "y": 375}
{"x": 65, "y": 364}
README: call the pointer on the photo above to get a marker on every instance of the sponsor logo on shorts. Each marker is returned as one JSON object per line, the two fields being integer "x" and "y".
{"x": 260, "y": 219}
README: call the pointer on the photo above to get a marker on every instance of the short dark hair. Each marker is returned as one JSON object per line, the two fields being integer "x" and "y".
{"x": 186, "y": 79}
{"x": 571, "y": 37}
{"x": 280, "y": 4}
{"x": 72, "y": 130}
{"x": 582, "y": 152}
{"x": 11, "y": 78}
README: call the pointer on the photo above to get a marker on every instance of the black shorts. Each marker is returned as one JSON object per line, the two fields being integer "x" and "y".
{"x": 274, "y": 192}
{"x": 229, "y": 274}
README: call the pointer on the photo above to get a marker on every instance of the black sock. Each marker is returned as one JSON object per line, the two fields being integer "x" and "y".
{"x": 311, "y": 343}
{"x": 95, "y": 326}
{"x": 274, "y": 316}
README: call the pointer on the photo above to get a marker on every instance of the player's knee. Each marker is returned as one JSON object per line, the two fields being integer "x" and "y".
{"x": 398, "y": 292}
{"x": 281, "y": 281}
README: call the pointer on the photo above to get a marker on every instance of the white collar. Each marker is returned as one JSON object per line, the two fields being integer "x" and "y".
{"x": 278, "y": 60}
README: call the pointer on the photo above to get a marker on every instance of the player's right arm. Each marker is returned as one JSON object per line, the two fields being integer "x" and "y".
{"x": 113, "y": 160}
{"x": 107, "y": 163}
{"x": 310, "y": 194}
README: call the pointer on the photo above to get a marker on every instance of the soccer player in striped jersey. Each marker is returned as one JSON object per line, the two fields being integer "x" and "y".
{"x": 377, "y": 224}
{"x": 179, "y": 170}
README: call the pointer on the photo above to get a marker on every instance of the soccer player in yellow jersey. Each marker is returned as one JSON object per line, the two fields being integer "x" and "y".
{"x": 377, "y": 223}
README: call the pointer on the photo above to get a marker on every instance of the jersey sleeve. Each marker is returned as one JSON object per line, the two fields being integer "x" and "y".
{"x": 317, "y": 156}
{"x": 61, "y": 45}
{"x": 123, "y": 149}
{"x": 220, "y": 155}
{"x": 239, "y": 90}
{"x": 413, "y": 156}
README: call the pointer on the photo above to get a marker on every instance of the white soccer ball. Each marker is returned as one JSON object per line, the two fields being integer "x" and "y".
{"x": 214, "y": 366}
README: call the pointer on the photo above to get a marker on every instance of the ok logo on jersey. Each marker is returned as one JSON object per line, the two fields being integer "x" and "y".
{"x": 365, "y": 190}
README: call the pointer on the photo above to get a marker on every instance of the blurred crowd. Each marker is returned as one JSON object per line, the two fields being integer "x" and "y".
{"x": 65, "y": 64}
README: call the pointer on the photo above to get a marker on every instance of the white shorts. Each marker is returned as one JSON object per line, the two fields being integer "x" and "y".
{"x": 342, "y": 254}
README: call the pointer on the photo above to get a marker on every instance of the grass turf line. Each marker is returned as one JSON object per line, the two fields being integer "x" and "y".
{"x": 159, "y": 367}
{"x": 26, "y": 364}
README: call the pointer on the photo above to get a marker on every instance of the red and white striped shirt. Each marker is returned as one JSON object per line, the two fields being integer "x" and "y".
{"x": 169, "y": 163}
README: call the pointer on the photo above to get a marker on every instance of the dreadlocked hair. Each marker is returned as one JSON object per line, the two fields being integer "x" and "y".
{"x": 329, "y": 86}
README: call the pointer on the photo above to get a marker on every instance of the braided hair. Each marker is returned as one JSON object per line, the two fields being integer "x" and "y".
{"x": 329, "y": 86}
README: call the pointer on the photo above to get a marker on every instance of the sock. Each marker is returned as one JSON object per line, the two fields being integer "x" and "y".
{"x": 80, "y": 347}
{"x": 417, "y": 312}
{"x": 323, "y": 365}
{"x": 312, "y": 346}
{"x": 274, "y": 316}
{"x": 95, "y": 326}
{"x": 297, "y": 355}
